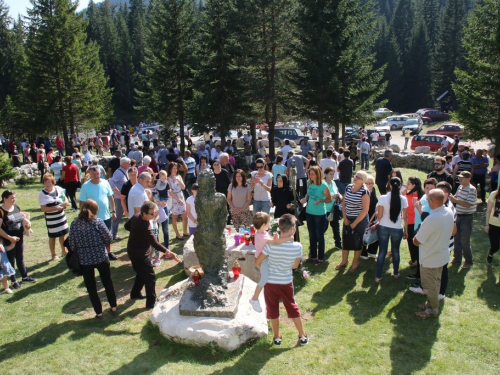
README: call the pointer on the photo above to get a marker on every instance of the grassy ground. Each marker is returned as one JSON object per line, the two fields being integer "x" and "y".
{"x": 355, "y": 326}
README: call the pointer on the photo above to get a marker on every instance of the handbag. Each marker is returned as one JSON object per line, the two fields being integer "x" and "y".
{"x": 72, "y": 260}
{"x": 331, "y": 215}
{"x": 301, "y": 214}
{"x": 370, "y": 236}
{"x": 351, "y": 240}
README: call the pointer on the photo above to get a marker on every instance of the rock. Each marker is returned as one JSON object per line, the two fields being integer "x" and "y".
{"x": 395, "y": 148}
{"x": 104, "y": 161}
{"x": 422, "y": 150}
{"x": 227, "y": 333}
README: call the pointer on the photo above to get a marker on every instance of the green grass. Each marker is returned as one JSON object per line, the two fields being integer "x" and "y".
{"x": 355, "y": 326}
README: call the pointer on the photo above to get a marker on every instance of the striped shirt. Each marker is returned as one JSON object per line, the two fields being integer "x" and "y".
{"x": 463, "y": 166}
{"x": 57, "y": 225}
{"x": 191, "y": 165}
{"x": 448, "y": 204}
{"x": 281, "y": 259}
{"x": 353, "y": 200}
{"x": 469, "y": 195}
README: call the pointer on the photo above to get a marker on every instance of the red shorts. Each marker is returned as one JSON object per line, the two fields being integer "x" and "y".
{"x": 273, "y": 293}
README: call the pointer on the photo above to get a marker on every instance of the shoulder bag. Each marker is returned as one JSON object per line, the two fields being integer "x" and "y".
{"x": 370, "y": 236}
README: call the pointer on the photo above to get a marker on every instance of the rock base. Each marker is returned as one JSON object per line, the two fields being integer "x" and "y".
{"x": 227, "y": 333}
{"x": 193, "y": 307}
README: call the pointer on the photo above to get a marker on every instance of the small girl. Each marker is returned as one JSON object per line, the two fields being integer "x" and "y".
{"x": 6, "y": 269}
{"x": 158, "y": 218}
{"x": 261, "y": 222}
{"x": 191, "y": 210}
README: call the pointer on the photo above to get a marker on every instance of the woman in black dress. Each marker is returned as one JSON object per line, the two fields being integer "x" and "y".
{"x": 282, "y": 197}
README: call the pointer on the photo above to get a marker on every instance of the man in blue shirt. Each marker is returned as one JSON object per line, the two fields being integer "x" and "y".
{"x": 305, "y": 146}
{"x": 480, "y": 165}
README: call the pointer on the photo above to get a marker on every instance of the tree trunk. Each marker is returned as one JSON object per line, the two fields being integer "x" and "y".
{"x": 180, "y": 111}
{"x": 336, "y": 135}
{"x": 343, "y": 134}
{"x": 253, "y": 132}
{"x": 320, "y": 130}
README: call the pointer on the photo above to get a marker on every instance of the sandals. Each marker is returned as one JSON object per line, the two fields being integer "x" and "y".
{"x": 341, "y": 265}
{"x": 180, "y": 238}
{"x": 352, "y": 269}
{"x": 56, "y": 258}
{"x": 318, "y": 262}
{"x": 185, "y": 235}
{"x": 377, "y": 280}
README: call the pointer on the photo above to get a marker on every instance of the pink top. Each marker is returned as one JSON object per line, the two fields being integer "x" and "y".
{"x": 260, "y": 241}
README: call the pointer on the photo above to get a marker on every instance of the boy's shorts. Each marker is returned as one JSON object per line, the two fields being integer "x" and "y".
{"x": 273, "y": 293}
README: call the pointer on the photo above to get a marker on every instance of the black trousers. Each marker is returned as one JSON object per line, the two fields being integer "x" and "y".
{"x": 494, "y": 235}
{"x": 413, "y": 249}
{"x": 71, "y": 193}
{"x": 16, "y": 257}
{"x": 444, "y": 280}
{"x": 382, "y": 187}
{"x": 145, "y": 277}
{"x": 480, "y": 180}
{"x": 301, "y": 190}
{"x": 91, "y": 285}
{"x": 370, "y": 249}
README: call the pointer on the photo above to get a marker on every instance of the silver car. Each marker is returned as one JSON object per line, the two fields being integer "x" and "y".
{"x": 395, "y": 122}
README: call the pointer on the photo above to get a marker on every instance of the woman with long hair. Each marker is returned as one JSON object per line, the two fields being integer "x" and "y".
{"x": 355, "y": 206}
{"x": 334, "y": 192}
{"x": 239, "y": 199}
{"x": 317, "y": 196}
{"x": 178, "y": 203}
{"x": 88, "y": 238}
{"x": 413, "y": 194}
{"x": 53, "y": 203}
{"x": 392, "y": 212}
{"x": 372, "y": 249}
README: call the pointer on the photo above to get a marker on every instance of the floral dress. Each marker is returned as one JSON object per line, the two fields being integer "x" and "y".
{"x": 178, "y": 208}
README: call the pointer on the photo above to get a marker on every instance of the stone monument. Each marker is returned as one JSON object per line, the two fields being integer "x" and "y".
{"x": 211, "y": 310}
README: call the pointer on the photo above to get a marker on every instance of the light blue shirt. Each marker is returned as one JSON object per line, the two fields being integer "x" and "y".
{"x": 281, "y": 259}
{"x": 278, "y": 169}
{"x": 100, "y": 193}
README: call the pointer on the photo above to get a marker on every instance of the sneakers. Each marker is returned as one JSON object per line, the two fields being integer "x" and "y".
{"x": 304, "y": 340}
{"x": 8, "y": 291}
{"x": 364, "y": 257}
{"x": 256, "y": 305}
{"x": 112, "y": 256}
{"x": 16, "y": 285}
{"x": 417, "y": 290}
{"x": 277, "y": 340}
{"x": 28, "y": 279}
{"x": 412, "y": 277}
{"x": 374, "y": 256}
{"x": 156, "y": 262}
{"x": 441, "y": 297}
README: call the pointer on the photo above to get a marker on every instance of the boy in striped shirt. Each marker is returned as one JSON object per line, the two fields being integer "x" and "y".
{"x": 282, "y": 259}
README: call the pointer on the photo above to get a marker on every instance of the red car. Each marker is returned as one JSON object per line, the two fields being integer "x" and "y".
{"x": 449, "y": 129}
{"x": 434, "y": 114}
{"x": 431, "y": 140}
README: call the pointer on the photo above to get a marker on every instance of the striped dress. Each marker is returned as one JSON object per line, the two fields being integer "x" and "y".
{"x": 57, "y": 225}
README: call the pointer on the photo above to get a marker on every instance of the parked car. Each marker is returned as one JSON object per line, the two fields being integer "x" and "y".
{"x": 414, "y": 124}
{"x": 449, "y": 129}
{"x": 395, "y": 122}
{"x": 435, "y": 115}
{"x": 425, "y": 120}
{"x": 431, "y": 140}
{"x": 356, "y": 137}
{"x": 380, "y": 112}
{"x": 288, "y": 133}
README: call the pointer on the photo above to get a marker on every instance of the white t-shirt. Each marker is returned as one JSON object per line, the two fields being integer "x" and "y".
{"x": 385, "y": 202}
{"x": 259, "y": 193}
{"x": 444, "y": 142}
{"x": 374, "y": 136}
{"x": 365, "y": 147}
{"x": 285, "y": 149}
{"x": 190, "y": 201}
{"x": 455, "y": 161}
{"x": 327, "y": 162}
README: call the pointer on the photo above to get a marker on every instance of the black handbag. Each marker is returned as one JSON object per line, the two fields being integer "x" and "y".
{"x": 351, "y": 240}
{"x": 72, "y": 260}
{"x": 301, "y": 214}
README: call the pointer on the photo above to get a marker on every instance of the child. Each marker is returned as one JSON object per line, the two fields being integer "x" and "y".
{"x": 282, "y": 259}
{"x": 261, "y": 222}
{"x": 162, "y": 188}
{"x": 191, "y": 209}
{"x": 158, "y": 218}
{"x": 15, "y": 157}
{"x": 6, "y": 268}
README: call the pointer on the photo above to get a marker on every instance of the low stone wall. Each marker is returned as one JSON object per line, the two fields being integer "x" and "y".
{"x": 422, "y": 162}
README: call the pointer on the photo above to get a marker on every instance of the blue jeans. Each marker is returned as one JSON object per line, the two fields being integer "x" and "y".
{"x": 316, "y": 226}
{"x": 364, "y": 161}
{"x": 119, "y": 214}
{"x": 396, "y": 235}
{"x": 341, "y": 186}
{"x": 261, "y": 206}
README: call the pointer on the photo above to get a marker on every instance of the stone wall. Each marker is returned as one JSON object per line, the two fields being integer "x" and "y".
{"x": 422, "y": 162}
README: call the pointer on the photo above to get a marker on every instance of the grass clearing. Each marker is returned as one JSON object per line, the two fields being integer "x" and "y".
{"x": 355, "y": 325}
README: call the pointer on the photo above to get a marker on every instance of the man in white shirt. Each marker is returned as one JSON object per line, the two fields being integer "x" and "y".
{"x": 365, "y": 149}
{"x": 328, "y": 161}
{"x": 247, "y": 137}
{"x": 374, "y": 137}
{"x": 215, "y": 153}
{"x": 285, "y": 149}
{"x": 137, "y": 195}
{"x": 87, "y": 159}
{"x": 444, "y": 146}
{"x": 433, "y": 239}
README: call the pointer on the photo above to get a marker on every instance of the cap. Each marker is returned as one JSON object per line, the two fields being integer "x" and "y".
{"x": 465, "y": 174}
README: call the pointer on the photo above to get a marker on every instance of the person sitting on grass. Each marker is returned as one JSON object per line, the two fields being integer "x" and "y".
{"x": 282, "y": 259}
{"x": 261, "y": 222}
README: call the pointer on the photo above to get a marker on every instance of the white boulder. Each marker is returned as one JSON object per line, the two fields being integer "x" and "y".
{"x": 422, "y": 150}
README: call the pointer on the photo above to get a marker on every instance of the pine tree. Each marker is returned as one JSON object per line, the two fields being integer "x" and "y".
{"x": 449, "y": 53}
{"x": 431, "y": 20}
{"x": 169, "y": 68}
{"x": 63, "y": 84}
{"x": 7, "y": 60}
{"x": 137, "y": 31}
{"x": 478, "y": 85}
{"x": 221, "y": 97}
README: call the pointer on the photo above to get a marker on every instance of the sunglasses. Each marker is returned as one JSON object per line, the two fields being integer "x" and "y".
{"x": 370, "y": 183}
{"x": 260, "y": 166}
{"x": 357, "y": 177}
{"x": 438, "y": 163}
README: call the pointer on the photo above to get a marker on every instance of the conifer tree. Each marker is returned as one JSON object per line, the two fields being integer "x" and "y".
{"x": 478, "y": 85}
{"x": 170, "y": 63}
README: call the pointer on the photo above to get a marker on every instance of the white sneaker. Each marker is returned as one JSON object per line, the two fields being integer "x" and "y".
{"x": 417, "y": 290}
{"x": 255, "y": 304}
{"x": 363, "y": 257}
{"x": 156, "y": 262}
{"x": 374, "y": 256}
{"x": 441, "y": 297}
{"x": 9, "y": 291}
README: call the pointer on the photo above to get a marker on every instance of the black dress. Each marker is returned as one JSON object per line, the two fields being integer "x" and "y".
{"x": 281, "y": 197}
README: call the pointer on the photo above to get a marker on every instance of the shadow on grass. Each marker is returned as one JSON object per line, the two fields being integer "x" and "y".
{"x": 79, "y": 328}
{"x": 162, "y": 351}
{"x": 456, "y": 283}
{"x": 489, "y": 291}
{"x": 333, "y": 292}
{"x": 411, "y": 346}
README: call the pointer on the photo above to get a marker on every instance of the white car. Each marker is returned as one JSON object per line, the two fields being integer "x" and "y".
{"x": 395, "y": 122}
{"x": 380, "y": 112}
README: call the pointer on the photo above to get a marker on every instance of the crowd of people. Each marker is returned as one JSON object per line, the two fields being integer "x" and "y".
{"x": 147, "y": 181}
